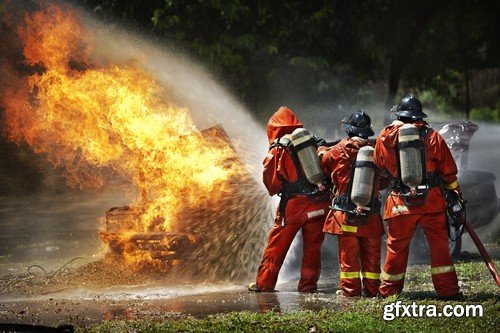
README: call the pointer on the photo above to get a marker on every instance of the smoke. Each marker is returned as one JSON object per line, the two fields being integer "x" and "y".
{"x": 234, "y": 249}
{"x": 185, "y": 84}
{"x": 483, "y": 156}
{"x": 484, "y": 151}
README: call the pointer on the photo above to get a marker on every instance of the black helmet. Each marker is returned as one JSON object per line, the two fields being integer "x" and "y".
{"x": 358, "y": 124}
{"x": 410, "y": 107}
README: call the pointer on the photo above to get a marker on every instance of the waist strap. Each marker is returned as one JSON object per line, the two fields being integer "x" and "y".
{"x": 300, "y": 187}
{"x": 433, "y": 180}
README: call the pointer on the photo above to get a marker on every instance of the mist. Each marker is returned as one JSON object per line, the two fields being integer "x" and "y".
{"x": 186, "y": 84}
{"x": 483, "y": 155}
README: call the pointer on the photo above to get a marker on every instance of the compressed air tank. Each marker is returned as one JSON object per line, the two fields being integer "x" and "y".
{"x": 364, "y": 175}
{"x": 305, "y": 147}
{"x": 409, "y": 157}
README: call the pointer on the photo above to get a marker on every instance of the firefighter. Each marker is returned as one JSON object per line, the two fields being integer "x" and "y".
{"x": 421, "y": 167}
{"x": 359, "y": 233}
{"x": 302, "y": 207}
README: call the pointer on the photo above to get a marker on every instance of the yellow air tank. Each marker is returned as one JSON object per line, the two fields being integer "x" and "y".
{"x": 410, "y": 157}
{"x": 305, "y": 147}
{"x": 364, "y": 175}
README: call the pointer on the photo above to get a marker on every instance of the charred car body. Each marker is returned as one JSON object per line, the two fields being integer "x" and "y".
{"x": 478, "y": 187}
{"x": 218, "y": 239}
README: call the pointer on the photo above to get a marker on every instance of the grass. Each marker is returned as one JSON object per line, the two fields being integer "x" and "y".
{"x": 365, "y": 315}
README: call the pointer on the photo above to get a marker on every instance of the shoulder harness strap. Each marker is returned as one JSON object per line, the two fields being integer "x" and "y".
{"x": 427, "y": 179}
{"x": 301, "y": 185}
{"x": 342, "y": 202}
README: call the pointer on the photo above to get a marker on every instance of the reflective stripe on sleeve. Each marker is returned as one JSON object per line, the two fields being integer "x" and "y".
{"x": 315, "y": 213}
{"x": 392, "y": 277}
{"x": 348, "y": 228}
{"x": 371, "y": 275}
{"x": 349, "y": 275}
{"x": 442, "y": 269}
{"x": 451, "y": 186}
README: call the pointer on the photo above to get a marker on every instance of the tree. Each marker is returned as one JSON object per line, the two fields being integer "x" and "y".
{"x": 326, "y": 50}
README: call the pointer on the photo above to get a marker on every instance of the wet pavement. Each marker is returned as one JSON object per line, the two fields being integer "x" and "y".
{"x": 83, "y": 307}
{"x": 44, "y": 234}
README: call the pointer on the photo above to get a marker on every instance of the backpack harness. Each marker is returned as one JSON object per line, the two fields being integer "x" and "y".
{"x": 301, "y": 186}
{"x": 343, "y": 202}
{"x": 429, "y": 179}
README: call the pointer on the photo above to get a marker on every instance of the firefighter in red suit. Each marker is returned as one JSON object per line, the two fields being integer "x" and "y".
{"x": 297, "y": 211}
{"x": 404, "y": 213}
{"x": 359, "y": 237}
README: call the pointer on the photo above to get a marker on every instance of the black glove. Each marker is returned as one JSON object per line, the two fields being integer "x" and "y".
{"x": 452, "y": 196}
{"x": 319, "y": 141}
{"x": 455, "y": 205}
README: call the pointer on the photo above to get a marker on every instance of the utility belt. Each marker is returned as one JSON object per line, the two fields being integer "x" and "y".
{"x": 297, "y": 187}
{"x": 418, "y": 196}
{"x": 355, "y": 216}
{"x": 300, "y": 187}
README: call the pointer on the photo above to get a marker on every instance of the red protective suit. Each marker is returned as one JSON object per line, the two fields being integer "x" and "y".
{"x": 301, "y": 213}
{"x": 359, "y": 245}
{"x": 402, "y": 219}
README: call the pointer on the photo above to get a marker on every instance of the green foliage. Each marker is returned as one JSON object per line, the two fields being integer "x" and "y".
{"x": 330, "y": 51}
{"x": 438, "y": 107}
{"x": 485, "y": 114}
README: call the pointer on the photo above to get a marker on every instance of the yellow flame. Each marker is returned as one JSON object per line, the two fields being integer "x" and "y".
{"x": 86, "y": 118}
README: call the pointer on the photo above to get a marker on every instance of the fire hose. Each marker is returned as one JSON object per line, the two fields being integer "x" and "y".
{"x": 482, "y": 251}
{"x": 456, "y": 210}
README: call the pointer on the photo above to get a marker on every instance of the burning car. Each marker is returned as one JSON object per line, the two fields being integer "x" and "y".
{"x": 103, "y": 119}
{"x": 219, "y": 238}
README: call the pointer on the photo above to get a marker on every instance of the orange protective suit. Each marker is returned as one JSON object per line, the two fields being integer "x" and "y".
{"x": 359, "y": 245}
{"x": 403, "y": 219}
{"x": 301, "y": 213}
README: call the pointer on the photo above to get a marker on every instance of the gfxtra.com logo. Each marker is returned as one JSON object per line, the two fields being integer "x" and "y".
{"x": 414, "y": 310}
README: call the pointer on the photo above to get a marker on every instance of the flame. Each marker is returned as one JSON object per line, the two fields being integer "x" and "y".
{"x": 90, "y": 119}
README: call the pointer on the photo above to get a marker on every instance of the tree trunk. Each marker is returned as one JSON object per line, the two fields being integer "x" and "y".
{"x": 394, "y": 77}
{"x": 464, "y": 56}
{"x": 467, "y": 92}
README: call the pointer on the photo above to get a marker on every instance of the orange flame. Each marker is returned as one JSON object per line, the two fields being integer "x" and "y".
{"x": 87, "y": 118}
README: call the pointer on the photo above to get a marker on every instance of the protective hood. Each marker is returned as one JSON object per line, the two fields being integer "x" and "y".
{"x": 282, "y": 122}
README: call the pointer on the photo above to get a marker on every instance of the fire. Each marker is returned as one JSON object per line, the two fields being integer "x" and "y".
{"x": 92, "y": 119}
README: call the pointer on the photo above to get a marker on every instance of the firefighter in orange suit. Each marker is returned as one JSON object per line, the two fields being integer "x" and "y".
{"x": 359, "y": 236}
{"x": 299, "y": 209}
{"x": 424, "y": 205}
